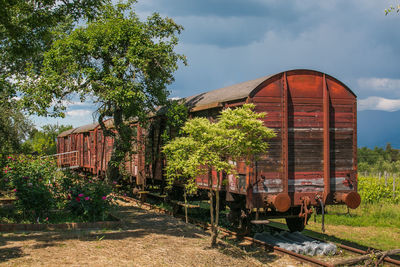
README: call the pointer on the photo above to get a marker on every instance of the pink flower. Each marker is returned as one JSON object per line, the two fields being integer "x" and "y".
{"x": 68, "y": 197}
{"x": 114, "y": 182}
{"x": 78, "y": 199}
{"x": 15, "y": 190}
{"x": 103, "y": 197}
{"x": 87, "y": 198}
{"x": 80, "y": 195}
{"x": 5, "y": 171}
{"x": 47, "y": 218}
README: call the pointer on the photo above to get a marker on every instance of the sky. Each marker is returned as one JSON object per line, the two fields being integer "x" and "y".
{"x": 228, "y": 42}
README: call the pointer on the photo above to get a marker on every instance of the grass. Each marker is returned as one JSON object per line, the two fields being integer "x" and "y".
{"x": 377, "y": 215}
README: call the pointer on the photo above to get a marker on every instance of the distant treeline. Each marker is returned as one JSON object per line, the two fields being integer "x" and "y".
{"x": 378, "y": 160}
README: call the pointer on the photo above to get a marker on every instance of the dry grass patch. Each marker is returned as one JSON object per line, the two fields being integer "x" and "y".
{"x": 146, "y": 239}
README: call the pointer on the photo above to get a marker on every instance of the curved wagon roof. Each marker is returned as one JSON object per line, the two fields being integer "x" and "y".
{"x": 215, "y": 98}
{"x": 86, "y": 128}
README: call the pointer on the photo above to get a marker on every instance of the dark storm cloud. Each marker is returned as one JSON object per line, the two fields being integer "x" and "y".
{"x": 220, "y": 8}
{"x": 232, "y": 41}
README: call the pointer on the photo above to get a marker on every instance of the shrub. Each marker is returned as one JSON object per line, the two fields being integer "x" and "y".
{"x": 31, "y": 180}
{"x": 88, "y": 199}
{"x": 39, "y": 187}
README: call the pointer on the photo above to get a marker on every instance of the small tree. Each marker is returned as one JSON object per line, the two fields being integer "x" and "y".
{"x": 238, "y": 134}
{"x": 183, "y": 165}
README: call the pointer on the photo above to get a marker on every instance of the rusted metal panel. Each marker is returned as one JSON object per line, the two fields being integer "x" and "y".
{"x": 314, "y": 117}
{"x": 355, "y": 178}
{"x": 327, "y": 160}
{"x": 285, "y": 134}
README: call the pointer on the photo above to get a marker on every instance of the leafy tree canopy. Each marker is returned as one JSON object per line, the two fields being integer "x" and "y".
{"x": 122, "y": 63}
{"x": 28, "y": 28}
{"x": 14, "y": 127}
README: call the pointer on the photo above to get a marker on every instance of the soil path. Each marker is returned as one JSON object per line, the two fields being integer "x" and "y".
{"x": 146, "y": 239}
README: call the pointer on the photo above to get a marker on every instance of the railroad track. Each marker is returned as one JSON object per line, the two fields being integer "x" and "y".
{"x": 265, "y": 245}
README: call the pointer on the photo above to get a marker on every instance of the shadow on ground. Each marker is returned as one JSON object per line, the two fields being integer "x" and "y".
{"x": 137, "y": 223}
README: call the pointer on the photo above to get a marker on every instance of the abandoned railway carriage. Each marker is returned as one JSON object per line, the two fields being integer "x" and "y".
{"x": 311, "y": 161}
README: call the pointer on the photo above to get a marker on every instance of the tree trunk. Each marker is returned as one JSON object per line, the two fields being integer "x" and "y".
{"x": 217, "y": 204}
{"x": 212, "y": 221}
{"x": 186, "y": 207}
{"x": 122, "y": 145}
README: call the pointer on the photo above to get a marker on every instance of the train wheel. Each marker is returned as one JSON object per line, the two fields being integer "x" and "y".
{"x": 295, "y": 224}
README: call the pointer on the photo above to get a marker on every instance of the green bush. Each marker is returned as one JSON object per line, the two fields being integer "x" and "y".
{"x": 87, "y": 199}
{"x": 31, "y": 180}
{"x": 40, "y": 187}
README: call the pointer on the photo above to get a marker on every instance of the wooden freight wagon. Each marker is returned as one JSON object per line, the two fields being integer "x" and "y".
{"x": 311, "y": 162}
{"x": 313, "y": 159}
{"x": 87, "y": 149}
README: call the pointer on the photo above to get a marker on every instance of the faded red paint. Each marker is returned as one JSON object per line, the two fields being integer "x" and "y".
{"x": 313, "y": 155}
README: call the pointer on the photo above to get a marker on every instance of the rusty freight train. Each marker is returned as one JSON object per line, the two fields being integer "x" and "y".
{"x": 312, "y": 161}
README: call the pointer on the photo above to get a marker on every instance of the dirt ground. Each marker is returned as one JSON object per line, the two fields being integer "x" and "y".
{"x": 146, "y": 239}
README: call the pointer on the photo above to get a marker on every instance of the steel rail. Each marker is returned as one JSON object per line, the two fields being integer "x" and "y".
{"x": 348, "y": 248}
{"x": 267, "y": 246}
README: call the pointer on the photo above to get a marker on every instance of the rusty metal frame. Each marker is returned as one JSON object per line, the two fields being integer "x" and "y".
{"x": 327, "y": 165}
{"x": 355, "y": 160}
{"x": 284, "y": 135}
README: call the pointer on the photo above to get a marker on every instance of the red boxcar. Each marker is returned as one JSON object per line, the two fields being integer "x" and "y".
{"x": 312, "y": 161}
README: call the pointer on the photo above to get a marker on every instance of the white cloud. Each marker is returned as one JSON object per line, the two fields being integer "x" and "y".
{"x": 79, "y": 113}
{"x": 379, "y": 103}
{"x": 379, "y": 84}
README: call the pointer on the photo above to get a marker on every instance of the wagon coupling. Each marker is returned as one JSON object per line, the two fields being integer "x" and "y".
{"x": 305, "y": 212}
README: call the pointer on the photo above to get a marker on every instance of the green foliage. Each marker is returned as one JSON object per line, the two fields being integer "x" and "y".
{"x": 373, "y": 190}
{"x": 378, "y": 160}
{"x": 39, "y": 187}
{"x": 183, "y": 163}
{"x": 14, "y": 126}
{"x": 44, "y": 142}
{"x": 238, "y": 133}
{"x": 87, "y": 199}
{"x": 123, "y": 63}
{"x": 28, "y": 28}
{"x": 176, "y": 115}
{"x": 31, "y": 179}
{"x": 368, "y": 214}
